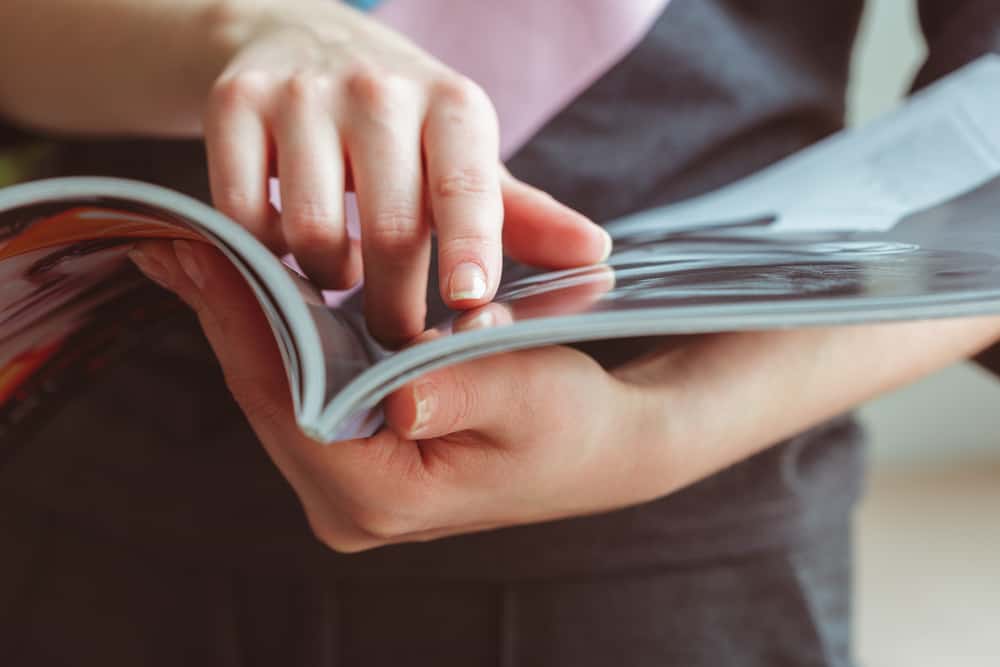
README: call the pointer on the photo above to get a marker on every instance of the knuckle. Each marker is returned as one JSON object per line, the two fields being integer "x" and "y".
{"x": 306, "y": 86}
{"x": 364, "y": 83}
{"x": 313, "y": 222}
{"x": 376, "y": 92}
{"x": 243, "y": 89}
{"x": 396, "y": 229}
{"x": 464, "y": 402}
{"x": 239, "y": 205}
{"x": 462, "y": 92}
{"x": 460, "y": 399}
{"x": 379, "y": 525}
{"x": 465, "y": 182}
{"x": 456, "y": 247}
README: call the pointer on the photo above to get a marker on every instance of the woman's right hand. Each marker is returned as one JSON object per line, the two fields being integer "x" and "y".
{"x": 329, "y": 100}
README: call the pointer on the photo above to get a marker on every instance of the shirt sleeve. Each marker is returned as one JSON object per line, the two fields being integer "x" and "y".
{"x": 957, "y": 33}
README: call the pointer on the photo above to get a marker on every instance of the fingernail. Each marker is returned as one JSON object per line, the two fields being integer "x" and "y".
{"x": 468, "y": 282}
{"x": 608, "y": 246}
{"x": 424, "y": 398}
{"x": 150, "y": 267}
{"x": 188, "y": 262}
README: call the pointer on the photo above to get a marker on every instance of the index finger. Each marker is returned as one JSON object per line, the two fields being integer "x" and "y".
{"x": 461, "y": 145}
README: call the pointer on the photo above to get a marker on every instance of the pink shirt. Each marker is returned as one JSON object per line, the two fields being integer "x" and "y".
{"x": 533, "y": 57}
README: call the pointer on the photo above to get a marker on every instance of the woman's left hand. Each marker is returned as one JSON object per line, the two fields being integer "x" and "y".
{"x": 543, "y": 434}
{"x": 510, "y": 439}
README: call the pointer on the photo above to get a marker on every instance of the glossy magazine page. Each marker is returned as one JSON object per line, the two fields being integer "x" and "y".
{"x": 63, "y": 247}
{"x": 897, "y": 220}
{"x": 942, "y": 262}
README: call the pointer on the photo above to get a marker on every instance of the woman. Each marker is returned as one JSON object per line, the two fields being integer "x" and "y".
{"x": 626, "y": 502}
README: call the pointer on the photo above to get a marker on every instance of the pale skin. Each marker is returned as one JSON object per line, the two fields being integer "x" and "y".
{"x": 329, "y": 100}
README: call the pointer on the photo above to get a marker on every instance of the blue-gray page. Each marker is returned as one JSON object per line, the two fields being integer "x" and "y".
{"x": 894, "y": 220}
{"x": 940, "y": 262}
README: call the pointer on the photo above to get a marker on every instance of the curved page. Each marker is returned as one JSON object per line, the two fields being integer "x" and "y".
{"x": 941, "y": 262}
{"x": 63, "y": 246}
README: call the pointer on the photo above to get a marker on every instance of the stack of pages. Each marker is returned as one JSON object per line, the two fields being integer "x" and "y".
{"x": 897, "y": 220}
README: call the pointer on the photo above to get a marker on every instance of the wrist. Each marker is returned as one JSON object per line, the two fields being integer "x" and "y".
{"x": 236, "y": 23}
{"x": 642, "y": 443}
{"x": 672, "y": 435}
{"x": 225, "y": 29}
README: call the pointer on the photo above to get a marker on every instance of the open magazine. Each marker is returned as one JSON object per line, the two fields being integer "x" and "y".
{"x": 897, "y": 220}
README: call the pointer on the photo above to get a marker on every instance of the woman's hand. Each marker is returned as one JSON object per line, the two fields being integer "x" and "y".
{"x": 510, "y": 439}
{"x": 542, "y": 434}
{"x": 330, "y": 99}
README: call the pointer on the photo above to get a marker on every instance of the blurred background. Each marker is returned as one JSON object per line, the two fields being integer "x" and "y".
{"x": 928, "y": 576}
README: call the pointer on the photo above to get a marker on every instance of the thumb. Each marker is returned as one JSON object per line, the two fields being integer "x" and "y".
{"x": 540, "y": 231}
{"x": 498, "y": 396}
{"x": 231, "y": 318}
{"x": 467, "y": 397}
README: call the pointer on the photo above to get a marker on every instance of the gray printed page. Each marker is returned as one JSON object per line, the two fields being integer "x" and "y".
{"x": 942, "y": 142}
{"x": 894, "y": 221}
{"x": 937, "y": 263}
